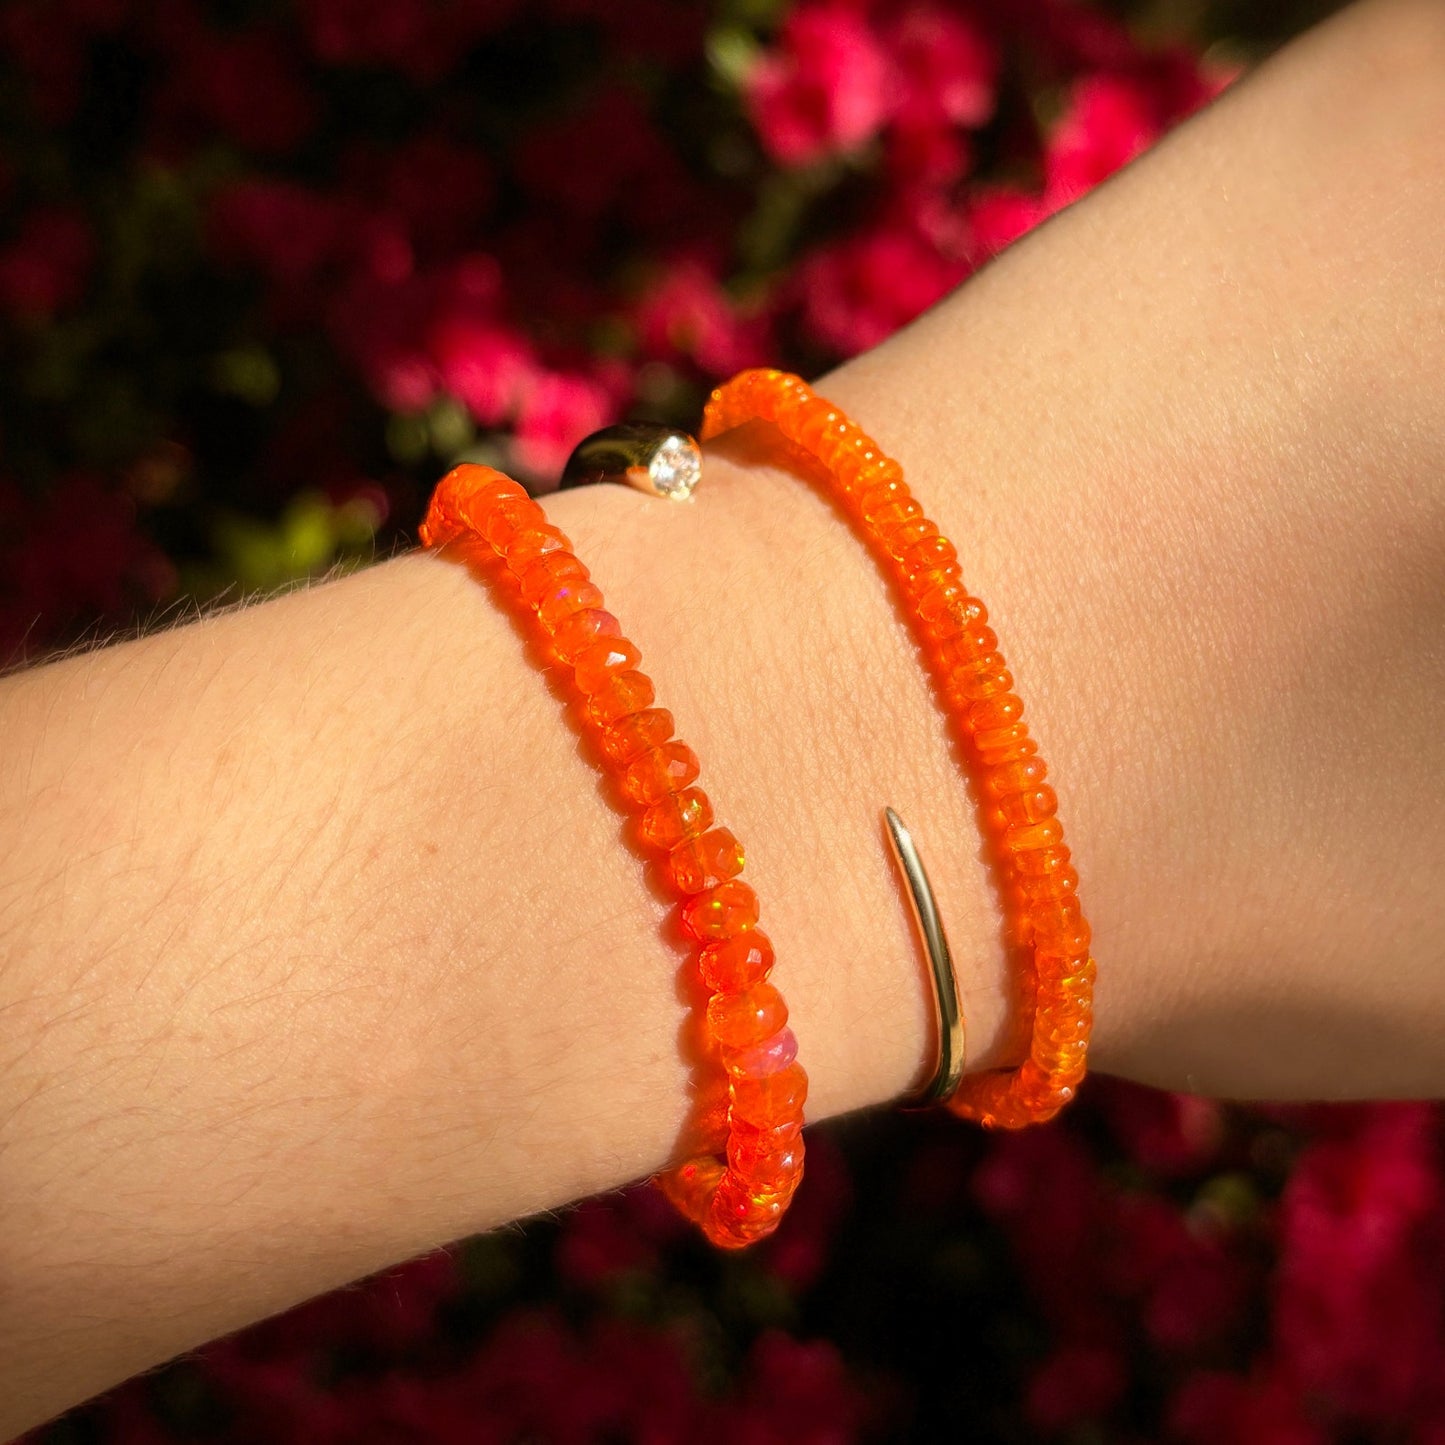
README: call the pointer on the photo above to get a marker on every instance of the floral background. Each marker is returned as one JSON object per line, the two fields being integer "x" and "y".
{"x": 266, "y": 270}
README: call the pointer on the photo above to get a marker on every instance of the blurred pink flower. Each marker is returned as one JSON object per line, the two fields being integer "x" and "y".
{"x": 423, "y": 39}
{"x": 45, "y": 267}
{"x": 857, "y": 291}
{"x": 1359, "y": 1306}
{"x": 999, "y": 215}
{"x": 1110, "y": 120}
{"x": 1077, "y": 1383}
{"x": 250, "y": 86}
{"x": 1212, "y": 1407}
{"x": 1167, "y": 1134}
{"x": 557, "y": 409}
{"x": 685, "y": 313}
{"x": 826, "y": 86}
{"x": 288, "y": 230}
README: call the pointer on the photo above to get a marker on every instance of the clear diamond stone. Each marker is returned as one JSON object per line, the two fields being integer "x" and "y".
{"x": 676, "y": 466}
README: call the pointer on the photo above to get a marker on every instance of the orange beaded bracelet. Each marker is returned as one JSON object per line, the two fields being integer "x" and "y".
{"x": 1041, "y": 885}
{"x": 738, "y": 1189}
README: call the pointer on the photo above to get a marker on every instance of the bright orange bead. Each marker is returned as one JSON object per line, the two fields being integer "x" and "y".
{"x": 740, "y": 1020}
{"x": 565, "y": 599}
{"x": 659, "y": 771}
{"x": 770, "y": 1099}
{"x": 542, "y": 577}
{"x": 1015, "y": 777}
{"x": 679, "y": 815}
{"x": 621, "y": 694}
{"x": 889, "y": 489}
{"x": 576, "y": 632}
{"x": 736, "y": 1218}
{"x": 969, "y": 645}
{"x": 902, "y": 539}
{"x": 507, "y": 518}
{"x": 769, "y": 1056}
{"x": 691, "y": 1186}
{"x": 769, "y": 1160}
{"x": 1031, "y": 807}
{"x": 1062, "y": 881}
{"x": 928, "y": 554}
{"x": 995, "y": 712}
{"x": 1041, "y": 861}
{"x": 623, "y": 740}
{"x": 948, "y": 609}
{"x": 724, "y": 909}
{"x": 698, "y": 863}
{"x": 996, "y": 745}
{"x": 731, "y": 965}
{"x": 976, "y": 681}
{"x": 543, "y": 541}
{"x": 601, "y": 659}
{"x": 1030, "y": 837}
{"x": 886, "y": 518}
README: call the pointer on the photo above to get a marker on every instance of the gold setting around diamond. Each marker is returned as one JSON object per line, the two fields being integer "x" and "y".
{"x": 663, "y": 461}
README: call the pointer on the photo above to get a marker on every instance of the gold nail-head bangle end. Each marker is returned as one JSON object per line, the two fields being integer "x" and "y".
{"x": 948, "y": 1015}
{"x": 663, "y": 461}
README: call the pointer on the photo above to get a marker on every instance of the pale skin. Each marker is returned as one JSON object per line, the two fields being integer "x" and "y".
{"x": 321, "y": 943}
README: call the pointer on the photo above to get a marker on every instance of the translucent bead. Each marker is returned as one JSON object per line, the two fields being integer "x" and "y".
{"x": 608, "y": 655}
{"x": 740, "y": 1020}
{"x": 949, "y": 609}
{"x": 760, "y": 1060}
{"x": 623, "y": 740}
{"x": 886, "y": 518}
{"x": 977, "y": 681}
{"x": 1040, "y": 861}
{"x": 541, "y": 578}
{"x": 968, "y": 645}
{"x": 577, "y": 631}
{"x": 882, "y": 472}
{"x": 1055, "y": 916}
{"x": 528, "y": 546}
{"x": 691, "y": 1186}
{"x": 509, "y": 516}
{"x": 1016, "y": 747}
{"x": 698, "y": 863}
{"x": 679, "y": 815}
{"x": 768, "y": 1099}
{"x": 902, "y": 539}
{"x": 621, "y": 694}
{"x": 736, "y": 1218}
{"x": 659, "y": 771}
{"x": 1057, "y": 884}
{"x": 1016, "y": 777}
{"x": 565, "y": 599}
{"x": 731, "y": 965}
{"x": 928, "y": 555}
{"x": 1032, "y": 806}
{"x": 1071, "y": 937}
{"x": 1030, "y": 837}
{"x": 882, "y": 494}
{"x": 995, "y": 745}
{"x": 724, "y": 909}
{"x": 769, "y": 1160}
{"x": 995, "y": 712}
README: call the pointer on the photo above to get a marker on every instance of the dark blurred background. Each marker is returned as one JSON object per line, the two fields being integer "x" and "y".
{"x": 266, "y": 271}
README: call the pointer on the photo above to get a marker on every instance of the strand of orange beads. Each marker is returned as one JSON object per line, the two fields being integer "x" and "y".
{"x": 738, "y": 1192}
{"x": 951, "y": 626}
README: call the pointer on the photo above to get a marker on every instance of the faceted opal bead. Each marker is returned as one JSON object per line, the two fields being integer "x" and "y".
{"x": 770, "y": 1098}
{"x": 659, "y": 771}
{"x": 542, "y": 577}
{"x": 724, "y": 909}
{"x": 766, "y": 1057}
{"x": 599, "y": 660}
{"x": 730, "y": 965}
{"x": 1032, "y": 806}
{"x": 698, "y": 863}
{"x": 621, "y": 741}
{"x": 679, "y": 815}
{"x": 740, "y": 1020}
{"x": 621, "y": 694}
{"x": 534, "y": 543}
{"x": 575, "y": 632}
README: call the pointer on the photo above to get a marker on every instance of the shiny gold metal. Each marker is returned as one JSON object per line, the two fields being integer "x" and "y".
{"x": 660, "y": 460}
{"x": 948, "y": 1015}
